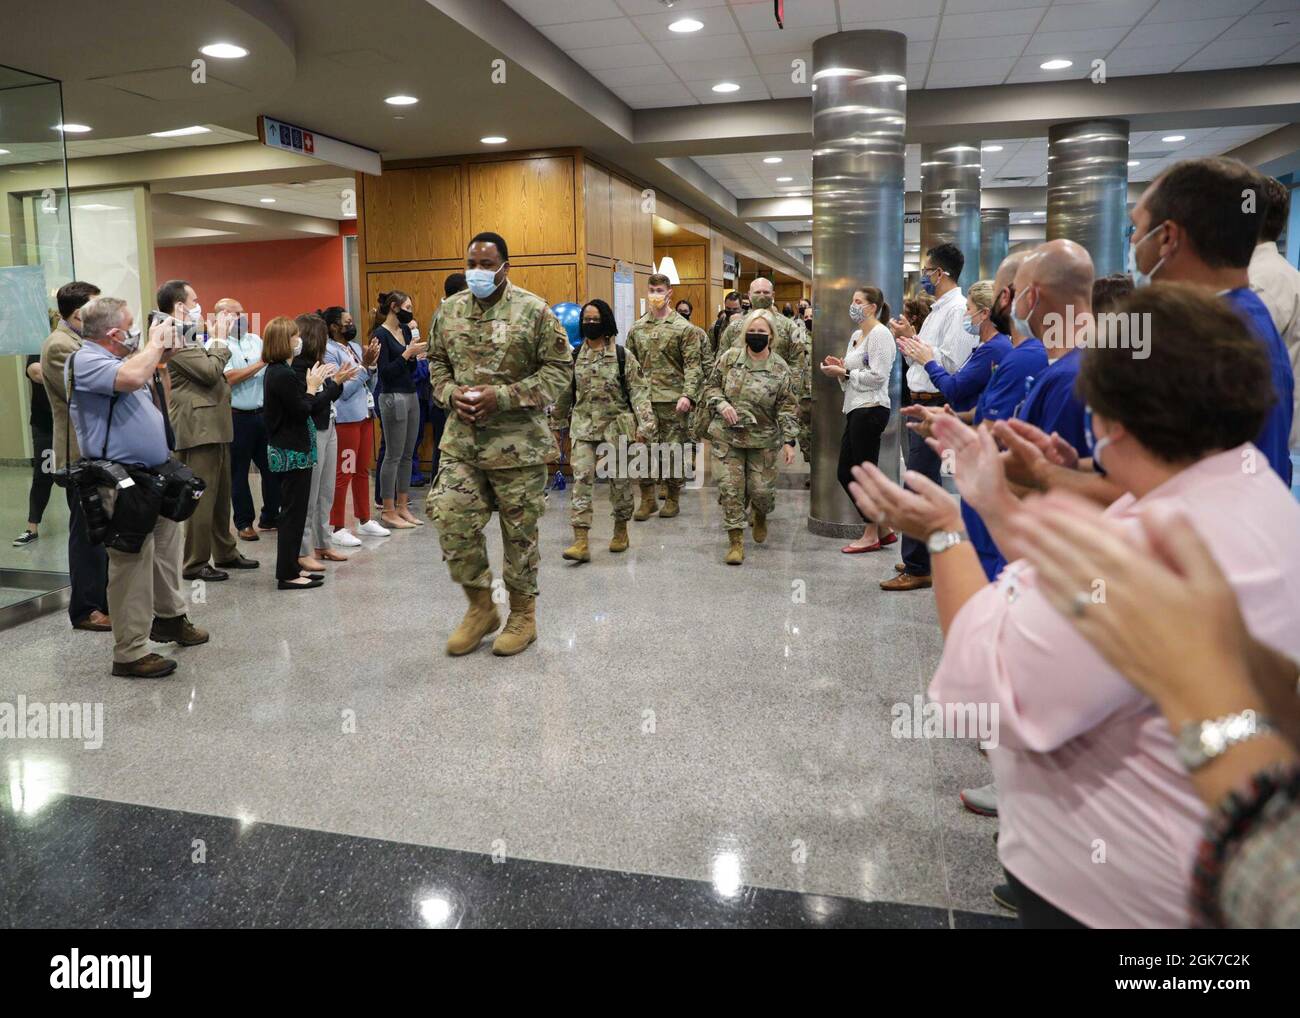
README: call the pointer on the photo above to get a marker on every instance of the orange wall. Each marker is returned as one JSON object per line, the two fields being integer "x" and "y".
{"x": 273, "y": 277}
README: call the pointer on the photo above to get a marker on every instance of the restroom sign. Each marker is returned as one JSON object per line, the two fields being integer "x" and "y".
{"x": 288, "y": 137}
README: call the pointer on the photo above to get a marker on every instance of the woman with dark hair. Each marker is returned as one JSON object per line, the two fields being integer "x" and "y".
{"x": 606, "y": 410}
{"x": 685, "y": 308}
{"x": 1083, "y": 760}
{"x": 863, "y": 373}
{"x": 399, "y": 410}
{"x": 316, "y": 529}
{"x": 354, "y": 426}
{"x": 289, "y": 401}
{"x": 1108, "y": 291}
{"x": 917, "y": 309}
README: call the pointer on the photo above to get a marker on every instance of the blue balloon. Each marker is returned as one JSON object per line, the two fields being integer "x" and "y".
{"x": 570, "y": 316}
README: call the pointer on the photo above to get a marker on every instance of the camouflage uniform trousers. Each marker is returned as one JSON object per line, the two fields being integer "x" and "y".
{"x": 805, "y": 429}
{"x": 461, "y": 503}
{"x": 673, "y": 427}
{"x": 746, "y": 477}
{"x": 583, "y": 457}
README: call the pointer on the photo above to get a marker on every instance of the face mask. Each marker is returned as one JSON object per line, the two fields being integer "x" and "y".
{"x": 592, "y": 330}
{"x": 1095, "y": 444}
{"x": 761, "y": 302}
{"x": 927, "y": 284}
{"x": 130, "y": 340}
{"x": 297, "y": 346}
{"x": 1021, "y": 325}
{"x": 656, "y": 300}
{"x": 350, "y": 333}
{"x": 1141, "y": 279}
{"x": 482, "y": 283}
{"x": 685, "y": 314}
{"x": 756, "y": 341}
{"x": 404, "y": 317}
{"x": 857, "y": 312}
{"x": 195, "y": 314}
{"x": 968, "y": 323}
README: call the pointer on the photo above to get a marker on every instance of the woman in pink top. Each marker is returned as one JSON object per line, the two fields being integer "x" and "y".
{"x": 1099, "y": 821}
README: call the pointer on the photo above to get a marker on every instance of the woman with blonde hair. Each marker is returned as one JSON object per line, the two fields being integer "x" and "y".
{"x": 750, "y": 397}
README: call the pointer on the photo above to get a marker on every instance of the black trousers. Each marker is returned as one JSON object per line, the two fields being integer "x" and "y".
{"x": 295, "y": 492}
{"x": 924, "y": 460}
{"x": 42, "y": 475}
{"x": 247, "y": 447}
{"x": 87, "y": 566}
{"x": 1037, "y": 913}
{"x": 861, "y": 443}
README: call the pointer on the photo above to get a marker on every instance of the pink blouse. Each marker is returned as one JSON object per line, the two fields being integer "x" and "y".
{"x": 1095, "y": 813}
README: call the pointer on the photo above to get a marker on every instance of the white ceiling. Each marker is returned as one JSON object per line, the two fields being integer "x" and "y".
{"x": 84, "y": 146}
{"x": 320, "y": 198}
{"x": 627, "y": 46}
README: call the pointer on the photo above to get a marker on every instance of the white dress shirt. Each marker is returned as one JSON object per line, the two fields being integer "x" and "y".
{"x": 1277, "y": 282}
{"x": 942, "y": 330}
{"x": 869, "y": 363}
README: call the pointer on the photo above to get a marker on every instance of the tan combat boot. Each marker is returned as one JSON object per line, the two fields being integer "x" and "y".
{"x": 760, "y": 527}
{"x": 736, "y": 553}
{"x": 649, "y": 504}
{"x": 479, "y": 620}
{"x": 670, "y": 507}
{"x": 578, "y": 550}
{"x": 521, "y": 627}
{"x": 619, "y": 541}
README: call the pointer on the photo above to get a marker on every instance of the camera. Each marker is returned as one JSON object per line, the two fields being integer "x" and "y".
{"x": 181, "y": 491}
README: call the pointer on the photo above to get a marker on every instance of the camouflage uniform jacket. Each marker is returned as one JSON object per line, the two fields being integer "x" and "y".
{"x": 670, "y": 356}
{"x": 761, "y": 392}
{"x": 791, "y": 345}
{"x": 516, "y": 346}
{"x": 600, "y": 412}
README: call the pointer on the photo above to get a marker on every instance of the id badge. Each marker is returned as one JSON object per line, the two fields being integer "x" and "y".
{"x": 370, "y": 401}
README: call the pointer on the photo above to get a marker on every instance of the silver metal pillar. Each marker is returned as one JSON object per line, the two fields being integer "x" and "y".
{"x": 950, "y": 202}
{"x": 859, "y": 113}
{"x": 995, "y": 235}
{"x": 1087, "y": 188}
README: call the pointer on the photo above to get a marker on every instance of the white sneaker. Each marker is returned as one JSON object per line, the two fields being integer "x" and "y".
{"x": 371, "y": 528}
{"x": 345, "y": 539}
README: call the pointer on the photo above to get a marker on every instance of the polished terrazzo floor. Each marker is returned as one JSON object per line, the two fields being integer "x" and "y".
{"x": 712, "y": 735}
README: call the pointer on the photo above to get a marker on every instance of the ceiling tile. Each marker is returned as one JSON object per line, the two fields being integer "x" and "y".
{"x": 606, "y": 32}
{"x": 994, "y": 46}
{"x": 1202, "y": 31}
{"x": 1094, "y": 42}
{"x": 1166, "y": 11}
{"x": 969, "y": 72}
{"x": 547, "y": 12}
{"x": 873, "y": 10}
{"x": 671, "y": 94}
{"x": 1104, "y": 14}
{"x": 782, "y": 42}
{"x": 982, "y": 25}
{"x": 603, "y": 57}
{"x": 637, "y": 7}
{"x": 727, "y": 68}
{"x": 624, "y": 77}
{"x": 916, "y": 29}
{"x": 711, "y": 48}
{"x": 757, "y": 15}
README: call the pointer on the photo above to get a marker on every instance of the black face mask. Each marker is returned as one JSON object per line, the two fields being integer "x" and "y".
{"x": 746, "y": 308}
{"x": 756, "y": 341}
{"x": 592, "y": 330}
{"x": 1000, "y": 316}
{"x": 404, "y": 316}
{"x": 685, "y": 314}
{"x": 350, "y": 333}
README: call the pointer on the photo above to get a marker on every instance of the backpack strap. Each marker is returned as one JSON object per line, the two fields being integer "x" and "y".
{"x": 622, "y": 376}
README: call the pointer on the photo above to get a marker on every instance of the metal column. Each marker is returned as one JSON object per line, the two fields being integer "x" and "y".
{"x": 950, "y": 202}
{"x": 995, "y": 233}
{"x": 1087, "y": 188}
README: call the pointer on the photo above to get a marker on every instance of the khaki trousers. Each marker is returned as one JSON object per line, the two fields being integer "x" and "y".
{"x": 142, "y": 587}
{"x": 207, "y": 532}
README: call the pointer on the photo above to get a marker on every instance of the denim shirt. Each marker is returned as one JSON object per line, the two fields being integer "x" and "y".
{"x": 352, "y": 406}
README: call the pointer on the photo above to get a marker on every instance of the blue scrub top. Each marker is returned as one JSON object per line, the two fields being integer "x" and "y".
{"x": 1274, "y": 439}
{"x": 1015, "y": 372}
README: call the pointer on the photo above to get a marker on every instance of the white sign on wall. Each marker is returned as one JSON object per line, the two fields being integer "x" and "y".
{"x": 292, "y": 138}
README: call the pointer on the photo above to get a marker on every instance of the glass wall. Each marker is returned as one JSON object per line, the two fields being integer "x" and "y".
{"x": 36, "y": 258}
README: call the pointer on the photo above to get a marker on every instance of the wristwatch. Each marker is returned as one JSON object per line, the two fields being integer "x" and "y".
{"x": 1199, "y": 742}
{"x": 941, "y": 540}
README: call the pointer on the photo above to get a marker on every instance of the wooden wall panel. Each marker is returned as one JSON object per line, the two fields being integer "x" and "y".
{"x": 691, "y": 260}
{"x": 555, "y": 284}
{"x": 530, "y": 202}
{"x": 600, "y": 236}
{"x": 424, "y": 285}
{"x": 622, "y": 212}
{"x": 414, "y": 215}
{"x": 600, "y": 283}
{"x": 643, "y": 239}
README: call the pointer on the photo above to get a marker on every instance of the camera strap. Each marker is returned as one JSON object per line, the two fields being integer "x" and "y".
{"x": 67, "y": 433}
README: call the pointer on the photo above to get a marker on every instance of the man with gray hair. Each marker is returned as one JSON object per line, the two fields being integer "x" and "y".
{"x": 116, "y": 405}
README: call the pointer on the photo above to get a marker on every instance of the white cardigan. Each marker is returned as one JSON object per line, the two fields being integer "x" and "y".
{"x": 869, "y": 365}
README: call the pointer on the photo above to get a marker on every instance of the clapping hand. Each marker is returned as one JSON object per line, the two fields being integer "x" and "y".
{"x": 316, "y": 376}
{"x": 833, "y": 367}
{"x": 917, "y": 513}
{"x": 923, "y": 417}
{"x": 901, "y": 327}
{"x": 913, "y": 349}
{"x": 976, "y": 464}
{"x": 346, "y": 374}
{"x": 1031, "y": 452}
{"x": 370, "y": 354}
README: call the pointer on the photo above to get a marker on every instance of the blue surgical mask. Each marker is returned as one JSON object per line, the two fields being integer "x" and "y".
{"x": 968, "y": 323}
{"x": 481, "y": 282}
{"x": 927, "y": 284}
{"x": 1141, "y": 279}
{"x": 1095, "y": 444}
{"x": 1021, "y": 325}
{"x": 857, "y": 312}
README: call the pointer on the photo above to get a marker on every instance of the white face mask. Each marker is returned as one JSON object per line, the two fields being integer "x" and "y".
{"x": 297, "y": 346}
{"x": 195, "y": 314}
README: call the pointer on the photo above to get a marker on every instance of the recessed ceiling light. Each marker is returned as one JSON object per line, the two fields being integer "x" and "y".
{"x": 4, "y": 151}
{"x": 784, "y": 180}
{"x": 179, "y": 132}
{"x": 1040, "y": 213}
{"x": 992, "y": 148}
{"x": 726, "y": 86}
{"x": 772, "y": 159}
{"x": 401, "y": 100}
{"x": 72, "y": 128}
{"x": 494, "y": 139}
{"x": 1171, "y": 138}
{"x": 686, "y": 25}
{"x": 267, "y": 201}
{"x": 1059, "y": 64}
{"x": 224, "y": 51}
{"x": 98, "y": 207}
{"x": 1135, "y": 162}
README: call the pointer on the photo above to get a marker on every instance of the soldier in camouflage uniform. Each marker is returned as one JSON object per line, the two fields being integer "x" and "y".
{"x": 608, "y": 401}
{"x": 497, "y": 358}
{"x": 750, "y": 395}
{"x": 668, "y": 349}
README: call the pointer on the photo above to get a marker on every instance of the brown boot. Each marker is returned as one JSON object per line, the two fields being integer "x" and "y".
{"x": 479, "y": 620}
{"x": 578, "y": 550}
{"x": 619, "y": 541}
{"x": 736, "y": 553}
{"x": 151, "y": 666}
{"x": 906, "y": 581}
{"x": 521, "y": 627}
{"x": 760, "y": 527}
{"x": 649, "y": 504}
{"x": 177, "y": 630}
{"x": 670, "y": 507}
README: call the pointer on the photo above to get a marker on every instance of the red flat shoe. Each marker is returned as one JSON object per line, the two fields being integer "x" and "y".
{"x": 890, "y": 539}
{"x": 849, "y": 549}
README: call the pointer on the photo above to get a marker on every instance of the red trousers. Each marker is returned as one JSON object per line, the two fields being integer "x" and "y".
{"x": 356, "y": 441}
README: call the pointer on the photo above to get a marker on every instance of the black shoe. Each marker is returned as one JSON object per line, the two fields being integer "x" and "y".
{"x": 1006, "y": 897}
{"x": 290, "y": 585}
{"x": 25, "y": 538}
{"x": 207, "y": 573}
{"x": 239, "y": 563}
